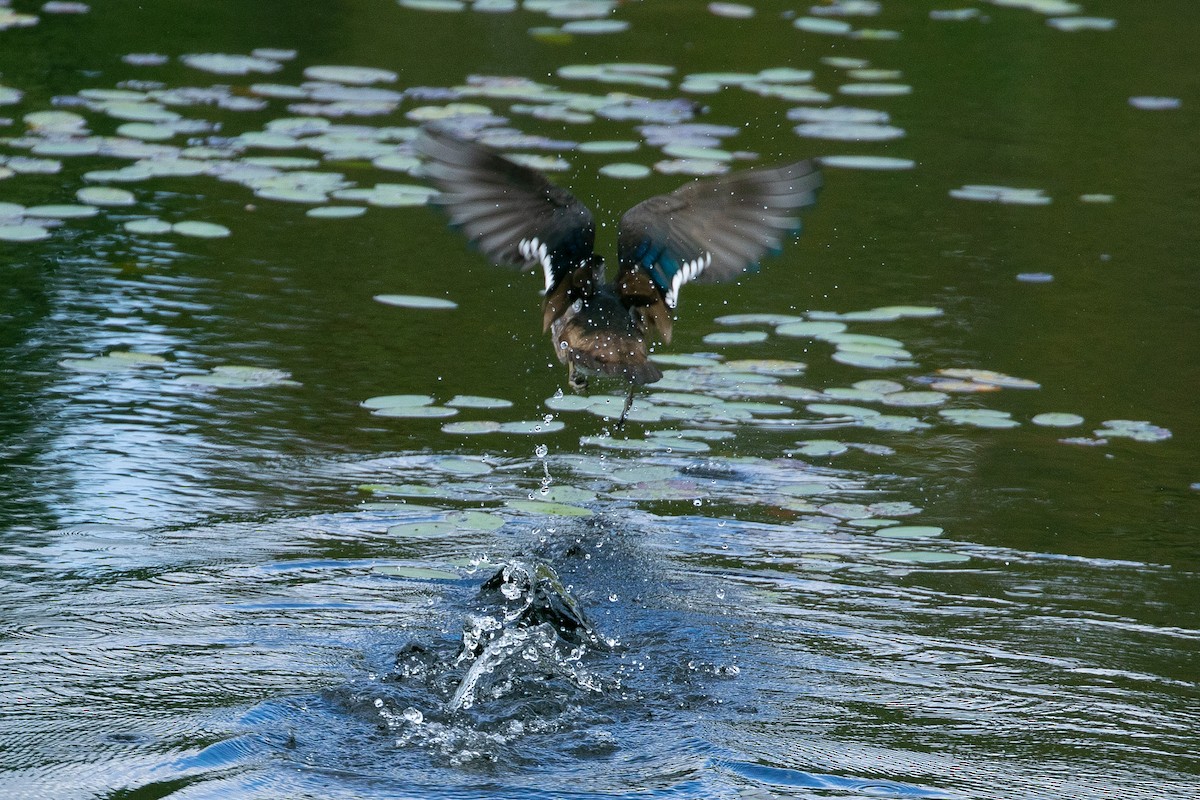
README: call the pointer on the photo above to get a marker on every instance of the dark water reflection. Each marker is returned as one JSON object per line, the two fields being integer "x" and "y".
{"x": 206, "y": 588}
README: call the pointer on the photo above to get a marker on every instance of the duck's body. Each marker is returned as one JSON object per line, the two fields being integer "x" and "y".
{"x": 708, "y": 230}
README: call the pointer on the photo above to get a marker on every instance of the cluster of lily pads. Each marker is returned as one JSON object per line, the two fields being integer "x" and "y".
{"x": 706, "y": 397}
{"x": 15, "y": 19}
{"x": 158, "y": 132}
{"x": 227, "y": 376}
{"x": 437, "y": 496}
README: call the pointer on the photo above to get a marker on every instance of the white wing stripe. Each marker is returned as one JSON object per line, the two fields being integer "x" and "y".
{"x": 689, "y": 270}
{"x": 534, "y": 250}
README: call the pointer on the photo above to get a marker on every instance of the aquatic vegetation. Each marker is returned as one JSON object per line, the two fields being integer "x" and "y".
{"x": 415, "y": 301}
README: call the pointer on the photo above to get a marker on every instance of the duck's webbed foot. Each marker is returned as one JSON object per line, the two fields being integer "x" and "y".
{"x": 628, "y": 405}
{"x": 575, "y": 377}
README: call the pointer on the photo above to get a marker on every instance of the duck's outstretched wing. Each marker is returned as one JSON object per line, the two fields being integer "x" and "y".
{"x": 510, "y": 212}
{"x": 709, "y": 230}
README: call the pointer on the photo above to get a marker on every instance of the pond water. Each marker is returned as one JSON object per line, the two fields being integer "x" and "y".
{"x": 294, "y": 505}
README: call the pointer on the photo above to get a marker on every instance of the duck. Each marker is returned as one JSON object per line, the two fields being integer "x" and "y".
{"x": 709, "y": 230}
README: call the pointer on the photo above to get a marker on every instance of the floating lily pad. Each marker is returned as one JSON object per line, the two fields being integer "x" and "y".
{"x": 475, "y": 401}
{"x": 731, "y": 10}
{"x": 65, "y": 211}
{"x": 872, "y": 360}
{"x": 1074, "y": 24}
{"x": 476, "y": 520}
{"x": 422, "y": 530}
{"x": 418, "y": 573}
{"x": 923, "y": 557}
{"x": 595, "y": 26}
{"x": 980, "y": 417}
{"x": 835, "y": 27}
{"x": 549, "y": 508}
{"x": 224, "y": 64}
{"x": 625, "y": 171}
{"x": 1155, "y": 103}
{"x": 416, "y": 412}
{"x": 684, "y": 359}
{"x": 415, "y": 301}
{"x": 1001, "y": 194}
{"x": 105, "y": 196}
{"x": 879, "y": 386}
{"x": 23, "y": 233}
{"x": 607, "y": 146}
{"x": 911, "y": 532}
{"x": 115, "y": 361}
{"x": 915, "y": 399}
{"x": 1057, "y": 420}
{"x": 532, "y": 426}
{"x": 870, "y": 89}
{"x": 568, "y": 402}
{"x": 238, "y": 377}
{"x": 821, "y": 447}
{"x": 201, "y": 230}
{"x": 758, "y": 319}
{"x": 868, "y": 162}
{"x": 335, "y": 212}
{"x": 433, "y": 5}
{"x": 768, "y": 366}
{"x": 397, "y": 400}
{"x": 849, "y": 131}
{"x": 743, "y": 337}
{"x": 149, "y": 226}
{"x": 471, "y": 427}
{"x": 812, "y": 330}
{"x": 358, "y": 76}
{"x": 462, "y": 466}
{"x": 1138, "y": 430}
{"x": 989, "y": 377}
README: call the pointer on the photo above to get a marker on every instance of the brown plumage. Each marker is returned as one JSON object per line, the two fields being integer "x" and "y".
{"x": 708, "y": 230}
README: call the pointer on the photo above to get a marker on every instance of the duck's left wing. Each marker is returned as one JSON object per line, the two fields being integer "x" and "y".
{"x": 512, "y": 213}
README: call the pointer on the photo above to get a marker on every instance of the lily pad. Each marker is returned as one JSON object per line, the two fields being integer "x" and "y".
{"x": 65, "y": 211}
{"x": 415, "y": 301}
{"x": 396, "y": 400}
{"x": 148, "y": 225}
{"x": 416, "y": 412}
{"x": 923, "y": 557}
{"x": 358, "y": 76}
{"x": 471, "y": 427}
{"x": 868, "y": 162}
{"x": 105, "y": 196}
{"x": 742, "y": 337}
{"x": 821, "y": 447}
{"x": 549, "y": 508}
{"x": 625, "y": 171}
{"x": 335, "y": 212}
{"x": 1057, "y": 420}
{"x": 115, "y": 361}
{"x": 238, "y": 377}
{"x": 23, "y": 233}
{"x": 201, "y": 230}
{"x": 422, "y": 530}
{"x": 475, "y": 401}
{"x": 417, "y": 573}
{"x": 910, "y": 532}
{"x": 532, "y": 426}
